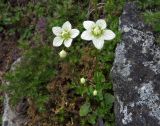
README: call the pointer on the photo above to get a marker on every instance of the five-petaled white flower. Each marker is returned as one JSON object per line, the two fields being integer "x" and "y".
{"x": 97, "y": 32}
{"x": 64, "y": 34}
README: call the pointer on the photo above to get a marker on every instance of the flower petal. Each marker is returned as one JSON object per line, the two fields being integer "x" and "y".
{"x": 98, "y": 43}
{"x": 109, "y": 35}
{"x": 88, "y": 25}
{"x": 57, "y": 41}
{"x": 57, "y": 30}
{"x": 68, "y": 42}
{"x": 101, "y": 23}
{"x": 67, "y": 26}
{"x": 86, "y": 35}
{"x": 74, "y": 33}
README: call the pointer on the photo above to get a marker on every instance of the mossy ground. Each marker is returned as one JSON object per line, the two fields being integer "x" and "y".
{"x": 52, "y": 85}
{"x": 151, "y": 16}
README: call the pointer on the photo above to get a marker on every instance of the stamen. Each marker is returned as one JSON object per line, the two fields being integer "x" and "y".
{"x": 97, "y": 31}
{"x": 66, "y": 35}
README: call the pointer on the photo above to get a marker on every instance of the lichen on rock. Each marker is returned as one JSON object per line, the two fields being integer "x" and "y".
{"x": 136, "y": 72}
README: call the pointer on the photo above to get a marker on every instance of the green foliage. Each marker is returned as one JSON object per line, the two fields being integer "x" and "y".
{"x": 31, "y": 76}
{"x": 151, "y": 15}
{"x": 99, "y": 77}
{"x": 38, "y": 65}
{"x": 84, "y": 110}
{"x": 153, "y": 18}
{"x": 60, "y": 116}
{"x": 148, "y": 3}
{"x": 7, "y": 16}
{"x": 11, "y": 16}
{"x": 104, "y": 101}
{"x": 101, "y": 104}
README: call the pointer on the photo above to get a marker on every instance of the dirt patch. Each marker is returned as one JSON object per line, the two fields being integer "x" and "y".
{"x": 9, "y": 52}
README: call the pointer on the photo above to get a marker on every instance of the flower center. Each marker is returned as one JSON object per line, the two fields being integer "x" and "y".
{"x": 66, "y": 35}
{"x": 97, "y": 31}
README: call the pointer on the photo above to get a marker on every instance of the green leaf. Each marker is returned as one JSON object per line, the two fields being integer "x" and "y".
{"x": 99, "y": 77}
{"x": 1, "y": 29}
{"x": 84, "y": 110}
{"x": 92, "y": 119}
{"x": 109, "y": 99}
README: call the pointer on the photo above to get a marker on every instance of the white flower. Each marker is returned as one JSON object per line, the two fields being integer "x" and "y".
{"x": 82, "y": 80}
{"x": 97, "y": 32}
{"x": 95, "y": 92}
{"x": 64, "y": 34}
{"x": 63, "y": 54}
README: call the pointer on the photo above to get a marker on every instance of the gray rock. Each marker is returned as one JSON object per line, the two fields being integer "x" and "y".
{"x": 8, "y": 114}
{"x": 14, "y": 116}
{"x": 136, "y": 73}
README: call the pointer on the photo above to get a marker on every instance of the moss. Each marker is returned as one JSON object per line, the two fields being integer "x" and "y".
{"x": 29, "y": 80}
{"x": 151, "y": 15}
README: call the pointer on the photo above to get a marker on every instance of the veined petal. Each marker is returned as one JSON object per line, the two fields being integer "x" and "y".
{"x": 101, "y": 23}
{"x": 88, "y": 25}
{"x": 67, "y": 26}
{"x": 68, "y": 42}
{"x": 86, "y": 35}
{"x": 57, "y": 41}
{"x": 74, "y": 33}
{"x": 57, "y": 30}
{"x": 109, "y": 35}
{"x": 98, "y": 43}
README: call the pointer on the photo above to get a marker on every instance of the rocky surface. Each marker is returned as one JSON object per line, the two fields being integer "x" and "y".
{"x": 136, "y": 73}
{"x": 11, "y": 116}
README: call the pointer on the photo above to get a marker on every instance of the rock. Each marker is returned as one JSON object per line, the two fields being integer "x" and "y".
{"x": 136, "y": 72}
{"x": 14, "y": 116}
{"x": 8, "y": 114}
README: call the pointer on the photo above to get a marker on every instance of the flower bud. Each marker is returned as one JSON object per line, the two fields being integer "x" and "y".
{"x": 94, "y": 92}
{"x": 83, "y": 80}
{"x": 63, "y": 54}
